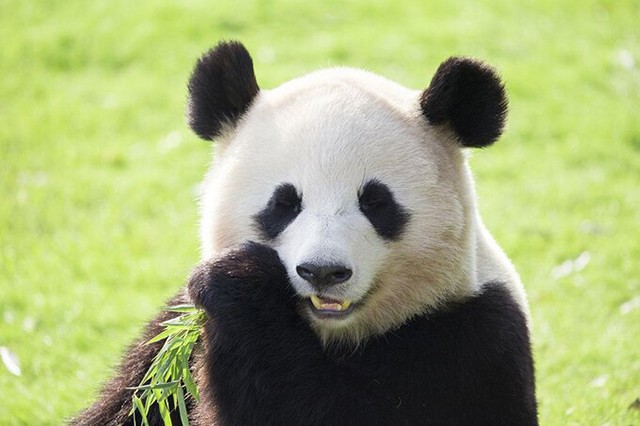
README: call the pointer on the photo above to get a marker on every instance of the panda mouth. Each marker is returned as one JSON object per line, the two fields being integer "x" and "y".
{"x": 325, "y": 307}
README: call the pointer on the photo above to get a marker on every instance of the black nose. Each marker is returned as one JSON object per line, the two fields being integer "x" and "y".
{"x": 322, "y": 276}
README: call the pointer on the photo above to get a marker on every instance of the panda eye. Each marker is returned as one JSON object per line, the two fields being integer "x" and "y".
{"x": 285, "y": 198}
{"x": 378, "y": 204}
{"x": 372, "y": 204}
{"x": 282, "y": 208}
{"x": 374, "y": 196}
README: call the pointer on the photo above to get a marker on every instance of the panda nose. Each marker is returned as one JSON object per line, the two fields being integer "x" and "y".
{"x": 322, "y": 276}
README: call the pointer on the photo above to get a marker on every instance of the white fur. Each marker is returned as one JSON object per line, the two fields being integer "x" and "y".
{"x": 328, "y": 133}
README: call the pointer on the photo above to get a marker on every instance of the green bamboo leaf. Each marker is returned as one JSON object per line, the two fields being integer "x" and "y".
{"x": 182, "y": 407}
{"x": 165, "y": 413}
{"x": 185, "y": 307}
{"x": 192, "y": 389}
{"x": 164, "y": 365}
{"x": 143, "y": 413}
{"x": 158, "y": 395}
{"x": 174, "y": 324}
{"x": 169, "y": 377}
{"x": 161, "y": 385}
{"x": 179, "y": 320}
{"x": 166, "y": 333}
{"x": 149, "y": 400}
{"x": 175, "y": 399}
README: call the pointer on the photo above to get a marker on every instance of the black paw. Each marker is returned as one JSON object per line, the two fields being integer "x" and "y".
{"x": 250, "y": 277}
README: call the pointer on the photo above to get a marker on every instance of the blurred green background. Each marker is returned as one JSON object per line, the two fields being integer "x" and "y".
{"x": 99, "y": 173}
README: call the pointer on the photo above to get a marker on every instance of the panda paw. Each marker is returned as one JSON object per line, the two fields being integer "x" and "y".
{"x": 248, "y": 280}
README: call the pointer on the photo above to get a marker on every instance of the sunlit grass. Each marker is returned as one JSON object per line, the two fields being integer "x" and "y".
{"x": 98, "y": 172}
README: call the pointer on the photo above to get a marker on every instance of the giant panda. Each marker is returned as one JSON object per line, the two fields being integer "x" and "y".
{"x": 347, "y": 276}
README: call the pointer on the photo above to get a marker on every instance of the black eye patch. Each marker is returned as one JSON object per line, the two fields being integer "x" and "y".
{"x": 281, "y": 209}
{"x": 379, "y": 206}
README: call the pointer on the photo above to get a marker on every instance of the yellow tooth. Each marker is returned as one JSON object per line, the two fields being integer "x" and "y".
{"x": 320, "y": 304}
{"x": 316, "y": 301}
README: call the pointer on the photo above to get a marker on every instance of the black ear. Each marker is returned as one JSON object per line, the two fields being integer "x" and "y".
{"x": 221, "y": 88}
{"x": 469, "y": 96}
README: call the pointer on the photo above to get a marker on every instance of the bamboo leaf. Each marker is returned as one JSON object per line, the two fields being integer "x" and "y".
{"x": 166, "y": 333}
{"x": 169, "y": 377}
{"x": 143, "y": 413}
{"x": 185, "y": 307}
{"x": 165, "y": 413}
{"x": 190, "y": 385}
{"x": 182, "y": 407}
{"x": 157, "y": 386}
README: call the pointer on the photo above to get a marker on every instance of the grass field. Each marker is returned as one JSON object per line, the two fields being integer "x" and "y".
{"x": 99, "y": 173}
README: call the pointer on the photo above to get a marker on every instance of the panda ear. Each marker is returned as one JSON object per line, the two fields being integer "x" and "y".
{"x": 221, "y": 88}
{"x": 469, "y": 96}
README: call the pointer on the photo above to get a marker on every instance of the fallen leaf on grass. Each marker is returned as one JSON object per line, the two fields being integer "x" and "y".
{"x": 572, "y": 265}
{"x": 10, "y": 361}
{"x": 630, "y": 305}
{"x": 599, "y": 382}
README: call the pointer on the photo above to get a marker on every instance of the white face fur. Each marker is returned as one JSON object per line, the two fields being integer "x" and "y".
{"x": 325, "y": 136}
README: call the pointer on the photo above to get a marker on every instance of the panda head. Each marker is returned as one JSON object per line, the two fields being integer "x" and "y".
{"x": 361, "y": 185}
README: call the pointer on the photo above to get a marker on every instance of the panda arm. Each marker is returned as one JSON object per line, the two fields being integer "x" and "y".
{"x": 264, "y": 363}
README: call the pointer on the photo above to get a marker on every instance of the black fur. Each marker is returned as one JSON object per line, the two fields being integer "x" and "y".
{"x": 468, "y": 365}
{"x": 379, "y": 206}
{"x": 283, "y": 207}
{"x": 469, "y": 96}
{"x": 222, "y": 87}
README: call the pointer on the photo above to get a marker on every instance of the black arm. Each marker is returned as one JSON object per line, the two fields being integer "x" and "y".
{"x": 468, "y": 364}
{"x": 265, "y": 364}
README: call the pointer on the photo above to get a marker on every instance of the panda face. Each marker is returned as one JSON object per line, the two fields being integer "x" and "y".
{"x": 363, "y": 200}
{"x": 327, "y": 244}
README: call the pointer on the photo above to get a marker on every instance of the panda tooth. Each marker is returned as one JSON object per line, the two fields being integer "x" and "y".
{"x": 330, "y": 305}
{"x": 316, "y": 301}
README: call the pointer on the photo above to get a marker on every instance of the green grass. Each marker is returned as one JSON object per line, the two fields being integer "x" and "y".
{"x": 98, "y": 171}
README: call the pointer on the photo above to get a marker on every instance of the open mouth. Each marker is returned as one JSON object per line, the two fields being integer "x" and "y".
{"x": 324, "y": 307}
